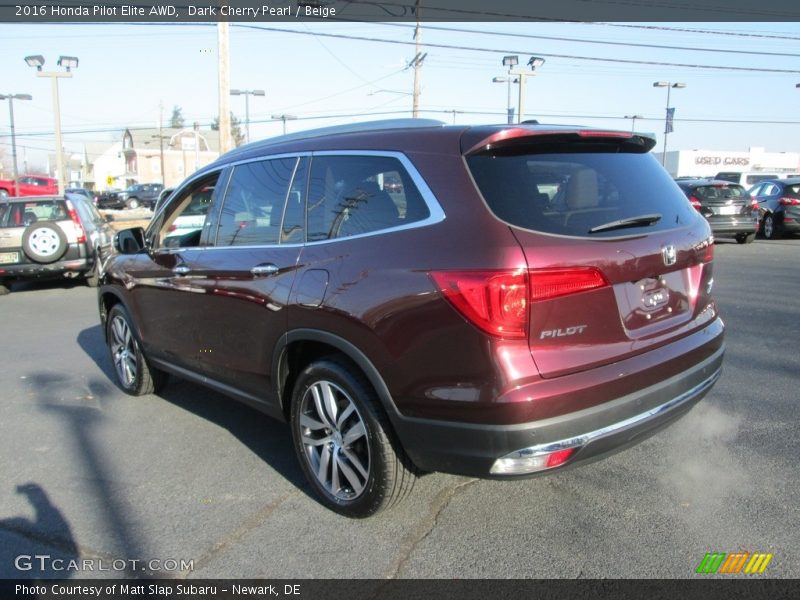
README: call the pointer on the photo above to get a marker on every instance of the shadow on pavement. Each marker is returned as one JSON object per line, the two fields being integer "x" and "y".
{"x": 29, "y": 548}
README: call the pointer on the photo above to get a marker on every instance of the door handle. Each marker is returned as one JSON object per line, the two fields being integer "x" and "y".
{"x": 264, "y": 270}
{"x": 181, "y": 270}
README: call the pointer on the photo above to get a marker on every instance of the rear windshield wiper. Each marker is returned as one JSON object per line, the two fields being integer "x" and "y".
{"x": 630, "y": 222}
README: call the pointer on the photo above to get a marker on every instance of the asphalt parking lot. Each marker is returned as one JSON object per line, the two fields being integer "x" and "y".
{"x": 192, "y": 477}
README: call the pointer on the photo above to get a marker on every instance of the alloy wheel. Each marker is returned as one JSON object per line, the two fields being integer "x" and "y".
{"x": 334, "y": 440}
{"x": 123, "y": 351}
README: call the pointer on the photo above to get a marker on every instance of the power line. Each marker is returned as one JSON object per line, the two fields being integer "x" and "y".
{"x": 508, "y": 51}
{"x": 585, "y": 41}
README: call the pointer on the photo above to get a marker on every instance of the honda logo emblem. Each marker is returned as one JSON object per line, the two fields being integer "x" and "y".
{"x": 669, "y": 254}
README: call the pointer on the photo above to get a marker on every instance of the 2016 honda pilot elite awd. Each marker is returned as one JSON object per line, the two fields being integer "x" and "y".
{"x": 520, "y": 299}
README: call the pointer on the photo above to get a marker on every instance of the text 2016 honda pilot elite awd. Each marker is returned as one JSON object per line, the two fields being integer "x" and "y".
{"x": 520, "y": 299}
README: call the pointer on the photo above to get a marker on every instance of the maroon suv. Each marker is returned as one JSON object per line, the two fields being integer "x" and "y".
{"x": 494, "y": 301}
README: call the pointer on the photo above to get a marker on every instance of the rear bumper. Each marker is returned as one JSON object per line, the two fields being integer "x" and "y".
{"x": 72, "y": 264}
{"x": 725, "y": 226}
{"x": 472, "y": 449}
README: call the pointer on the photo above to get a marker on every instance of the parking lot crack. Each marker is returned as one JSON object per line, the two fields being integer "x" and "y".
{"x": 425, "y": 527}
{"x": 251, "y": 523}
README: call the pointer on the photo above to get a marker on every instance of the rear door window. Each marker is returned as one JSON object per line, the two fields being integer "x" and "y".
{"x": 252, "y": 211}
{"x": 580, "y": 193}
{"x": 355, "y": 195}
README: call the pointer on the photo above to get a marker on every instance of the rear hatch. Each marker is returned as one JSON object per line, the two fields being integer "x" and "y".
{"x": 618, "y": 261}
{"x": 722, "y": 201}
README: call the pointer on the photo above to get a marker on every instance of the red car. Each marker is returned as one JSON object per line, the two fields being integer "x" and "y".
{"x": 29, "y": 185}
{"x": 528, "y": 298}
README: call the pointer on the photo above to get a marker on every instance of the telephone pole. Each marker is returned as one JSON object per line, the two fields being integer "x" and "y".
{"x": 223, "y": 49}
{"x": 418, "y": 58}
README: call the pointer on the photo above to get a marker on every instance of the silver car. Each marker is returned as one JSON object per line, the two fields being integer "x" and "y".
{"x": 48, "y": 236}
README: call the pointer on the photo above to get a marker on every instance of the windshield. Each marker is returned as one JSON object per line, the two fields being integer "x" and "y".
{"x": 581, "y": 193}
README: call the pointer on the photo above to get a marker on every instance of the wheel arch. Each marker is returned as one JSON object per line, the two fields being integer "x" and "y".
{"x": 300, "y": 347}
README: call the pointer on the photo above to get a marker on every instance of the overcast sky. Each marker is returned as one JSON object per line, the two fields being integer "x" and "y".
{"x": 323, "y": 74}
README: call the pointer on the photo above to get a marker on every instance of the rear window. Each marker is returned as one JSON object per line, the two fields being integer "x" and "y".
{"x": 22, "y": 214}
{"x": 572, "y": 193}
{"x": 792, "y": 191}
{"x": 714, "y": 192}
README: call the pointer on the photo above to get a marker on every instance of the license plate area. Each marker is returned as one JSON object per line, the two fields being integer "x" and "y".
{"x": 728, "y": 210}
{"x": 7, "y": 258}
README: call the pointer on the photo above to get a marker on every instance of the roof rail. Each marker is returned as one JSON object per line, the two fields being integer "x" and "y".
{"x": 381, "y": 125}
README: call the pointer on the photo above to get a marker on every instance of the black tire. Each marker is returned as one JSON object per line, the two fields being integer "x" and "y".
{"x": 44, "y": 242}
{"x": 353, "y": 463}
{"x": 745, "y": 238}
{"x": 132, "y": 203}
{"x": 93, "y": 276}
{"x": 770, "y": 227}
{"x": 132, "y": 371}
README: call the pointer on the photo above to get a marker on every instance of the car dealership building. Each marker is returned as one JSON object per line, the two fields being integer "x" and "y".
{"x": 707, "y": 163}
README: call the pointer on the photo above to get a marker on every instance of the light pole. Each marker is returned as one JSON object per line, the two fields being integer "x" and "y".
{"x": 68, "y": 63}
{"x": 11, "y": 98}
{"x": 634, "y": 117}
{"x": 534, "y": 63}
{"x": 509, "y": 61}
{"x": 283, "y": 118}
{"x": 247, "y": 94}
{"x": 669, "y": 115}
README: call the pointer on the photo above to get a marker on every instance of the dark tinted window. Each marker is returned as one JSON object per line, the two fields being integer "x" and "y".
{"x": 352, "y": 195}
{"x": 792, "y": 191}
{"x": 253, "y": 206}
{"x": 571, "y": 193}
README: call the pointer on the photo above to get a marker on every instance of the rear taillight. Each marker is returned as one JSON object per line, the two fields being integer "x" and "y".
{"x": 695, "y": 202}
{"x": 753, "y": 204}
{"x": 789, "y": 202}
{"x": 552, "y": 283}
{"x": 494, "y": 301}
{"x": 73, "y": 215}
{"x": 497, "y": 301}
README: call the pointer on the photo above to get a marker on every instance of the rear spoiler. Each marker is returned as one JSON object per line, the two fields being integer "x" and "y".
{"x": 516, "y": 136}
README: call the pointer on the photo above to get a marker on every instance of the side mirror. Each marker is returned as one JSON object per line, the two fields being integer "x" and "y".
{"x": 109, "y": 218}
{"x": 130, "y": 241}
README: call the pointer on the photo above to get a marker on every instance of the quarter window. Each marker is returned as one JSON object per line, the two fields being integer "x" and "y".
{"x": 353, "y": 195}
{"x": 253, "y": 208}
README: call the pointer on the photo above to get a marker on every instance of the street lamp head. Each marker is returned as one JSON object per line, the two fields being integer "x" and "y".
{"x": 37, "y": 60}
{"x": 505, "y": 79}
{"x": 236, "y": 92}
{"x": 634, "y": 117}
{"x": 661, "y": 84}
{"x": 510, "y": 60}
{"x": 259, "y": 93}
{"x": 68, "y": 62}
{"x": 535, "y": 62}
{"x": 679, "y": 85}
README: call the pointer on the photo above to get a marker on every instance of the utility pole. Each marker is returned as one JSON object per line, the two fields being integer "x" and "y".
{"x": 223, "y": 49}
{"x": 11, "y": 98}
{"x": 418, "y": 58}
{"x": 161, "y": 140}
